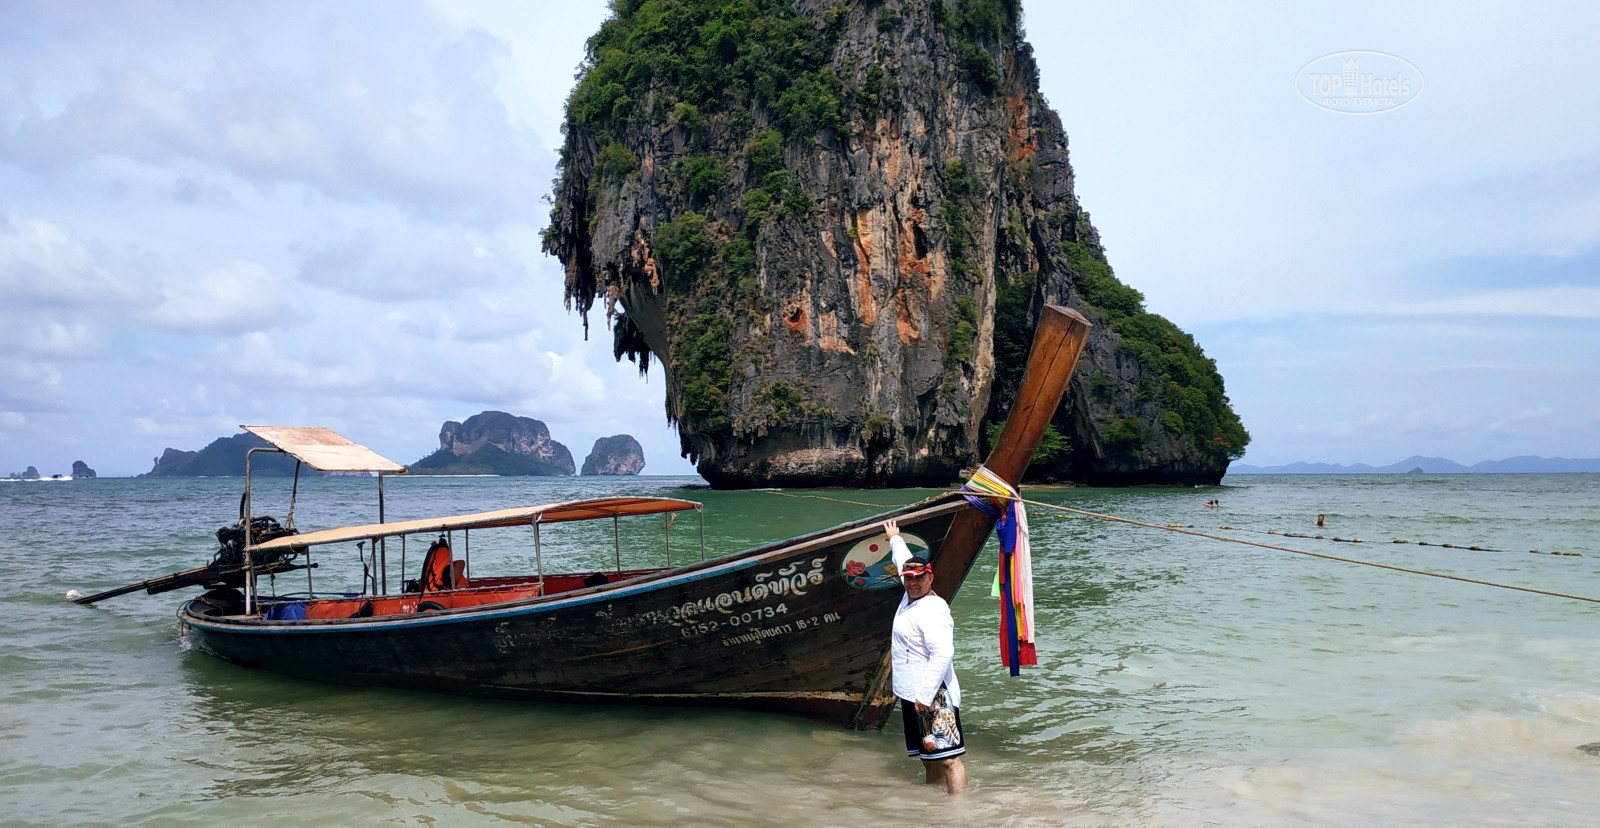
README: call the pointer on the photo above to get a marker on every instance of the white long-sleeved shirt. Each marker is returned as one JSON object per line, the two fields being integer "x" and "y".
{"x": 922, "y": 648}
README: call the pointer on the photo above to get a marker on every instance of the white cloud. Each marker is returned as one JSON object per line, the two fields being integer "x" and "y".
{"x": 407, "y": 263}
{"x": 1430, "y": 421}
{"x": 1522, "y": 419}
{"x": 149, "y": 427}
{"x": 203, "y": 192}
{"x": 29, "y": 386}
{"x": 63, "y": 296}
{"x": 237, "y": 297}
{"x": 58, "y": 340}
{"x": 403, "y": 356}
{"x": 268, "y": 362}
{"x": 404, "y": 113}
{"x": 1574, "y": 301}
{"x": 45, "y": 265}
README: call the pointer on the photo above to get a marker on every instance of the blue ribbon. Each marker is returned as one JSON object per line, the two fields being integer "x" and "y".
{"x": 1006, "y": 528}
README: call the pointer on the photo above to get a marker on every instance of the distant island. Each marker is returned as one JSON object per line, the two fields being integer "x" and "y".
{"x": 224, "y": 457}
{"x": 80, "y": 471}
{"x": 1434, "y": 465}
{"x": 494, "y": 442}
{"x": 488, "y": 443}
{"x": 616, "y": 455}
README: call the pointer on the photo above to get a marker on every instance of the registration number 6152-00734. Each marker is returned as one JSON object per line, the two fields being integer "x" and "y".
{"x": 736, "y": 620}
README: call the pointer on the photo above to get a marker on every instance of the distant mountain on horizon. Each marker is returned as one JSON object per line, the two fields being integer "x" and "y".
{"x": 224, "y": 457}
{"x": 1418, "y": 464}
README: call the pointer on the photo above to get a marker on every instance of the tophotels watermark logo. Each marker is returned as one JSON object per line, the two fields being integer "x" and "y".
{"x": 1359, "y": 83}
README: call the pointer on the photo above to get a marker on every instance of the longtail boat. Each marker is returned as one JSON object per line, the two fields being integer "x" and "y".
{"x": 799, "y": 626}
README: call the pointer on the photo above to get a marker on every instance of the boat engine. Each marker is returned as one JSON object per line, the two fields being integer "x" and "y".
{"x": 231, "y": 541}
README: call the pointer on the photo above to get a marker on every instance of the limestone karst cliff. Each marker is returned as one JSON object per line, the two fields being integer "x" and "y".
{"x": 833, "y": 223}
{"x": 494, "y": 442}
{"x": 619, "y": 454}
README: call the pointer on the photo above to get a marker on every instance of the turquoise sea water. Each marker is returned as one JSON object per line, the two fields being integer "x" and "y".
{"x": 1182, "y": 680}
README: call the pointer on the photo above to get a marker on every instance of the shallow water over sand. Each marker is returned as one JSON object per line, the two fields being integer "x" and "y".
{"x": 1182, "y": 681}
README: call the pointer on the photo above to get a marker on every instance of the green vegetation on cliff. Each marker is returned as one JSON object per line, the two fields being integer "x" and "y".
{"x": 693, "y": 58}
{"x": 975, "y": 22}
{"x": 703, "y": 362}
{"x": 713, "y": 56}
{"x": 1190, "y": 389}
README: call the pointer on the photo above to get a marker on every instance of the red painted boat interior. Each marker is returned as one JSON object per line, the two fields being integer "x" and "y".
{"x": 478, "y": 592}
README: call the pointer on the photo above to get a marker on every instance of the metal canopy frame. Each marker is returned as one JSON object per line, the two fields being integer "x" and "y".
{"x": 520, "y": 516}
{"x": 322, "y": 449}
{"x": 378, "y": 533}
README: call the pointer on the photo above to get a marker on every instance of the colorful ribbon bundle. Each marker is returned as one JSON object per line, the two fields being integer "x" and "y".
{"x": 993, "y": 496}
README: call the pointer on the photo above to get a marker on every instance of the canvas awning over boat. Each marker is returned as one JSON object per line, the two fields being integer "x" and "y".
{"x": 324, "y": 450}
{"x": 520, "y": 516}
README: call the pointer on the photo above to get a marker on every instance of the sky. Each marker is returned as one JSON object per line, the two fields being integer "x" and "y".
{"x": 328, "y": 214}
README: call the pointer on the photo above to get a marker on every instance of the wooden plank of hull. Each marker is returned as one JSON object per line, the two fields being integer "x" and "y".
{"x": 779, "y": 628}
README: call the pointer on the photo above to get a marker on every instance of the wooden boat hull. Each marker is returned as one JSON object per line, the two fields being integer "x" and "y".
{"x": 791, "y": 627}
{"x": 800, "y": 626}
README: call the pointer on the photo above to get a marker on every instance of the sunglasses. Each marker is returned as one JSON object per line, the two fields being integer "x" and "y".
{"x": 915, "y": 573}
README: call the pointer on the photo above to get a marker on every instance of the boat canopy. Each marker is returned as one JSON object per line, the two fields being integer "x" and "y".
{"x": 324, "y": 450}
{"x": 610, "y": 507}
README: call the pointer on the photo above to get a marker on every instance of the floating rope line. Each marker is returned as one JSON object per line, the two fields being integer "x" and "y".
{"x": 1337, "y": 539}
{"x": 1226, "y": 539}
{"x": 1473, "y": 547}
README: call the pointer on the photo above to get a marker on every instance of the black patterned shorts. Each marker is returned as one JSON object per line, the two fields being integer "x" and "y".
{"x": 935, "y": 734}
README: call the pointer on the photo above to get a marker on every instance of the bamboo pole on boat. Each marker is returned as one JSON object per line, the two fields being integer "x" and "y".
{"x": 246, "y": 521}
{"x": 1058, "y": 341}
{"x": 177, "y": 580}
{"x": 383, "y": 567}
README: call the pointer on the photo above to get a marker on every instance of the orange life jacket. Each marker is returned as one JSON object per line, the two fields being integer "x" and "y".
{"x": 436, "y": 567}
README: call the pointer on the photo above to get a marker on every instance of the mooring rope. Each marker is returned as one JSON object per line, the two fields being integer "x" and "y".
{"x": 1224, "y": 538}
{"x": 1323, "y": 555}
{"x": 833, "y": 499}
